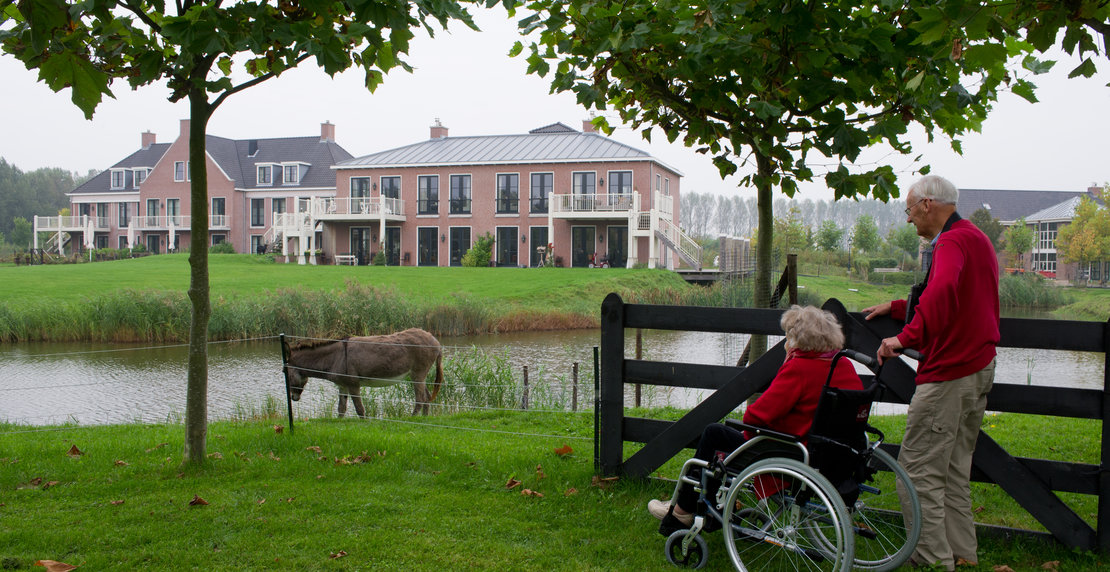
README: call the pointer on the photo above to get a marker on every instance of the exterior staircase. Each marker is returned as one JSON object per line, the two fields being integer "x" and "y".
{"x": 687, "y": 248}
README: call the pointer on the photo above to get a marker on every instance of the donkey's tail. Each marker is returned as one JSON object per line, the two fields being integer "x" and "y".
{"x": 439, "y": 376}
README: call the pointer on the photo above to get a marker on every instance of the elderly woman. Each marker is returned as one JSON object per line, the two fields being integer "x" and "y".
{"x": 813, "y": 337}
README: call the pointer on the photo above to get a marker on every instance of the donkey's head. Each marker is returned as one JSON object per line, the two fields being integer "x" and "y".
{"x": 297, "y": 381}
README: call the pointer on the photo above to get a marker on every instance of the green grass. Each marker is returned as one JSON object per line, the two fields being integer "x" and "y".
{"x": 387, "y": 495}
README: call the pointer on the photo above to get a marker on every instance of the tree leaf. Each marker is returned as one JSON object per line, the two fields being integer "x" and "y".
{"x": 74, "y": 452}
{"x": 55, "y": 566}
{"x": 197, "y": 501}
{"x": 564, "y": 451}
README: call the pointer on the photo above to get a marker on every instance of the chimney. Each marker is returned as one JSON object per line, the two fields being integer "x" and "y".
{"x": 149, "y": 139}
{"x": 327, "y": 132}
{"x": 438, "y": 130}
{"x": 588, "y": 126}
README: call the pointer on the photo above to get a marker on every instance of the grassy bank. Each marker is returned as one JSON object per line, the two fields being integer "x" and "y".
{"x": 350, "y": 495}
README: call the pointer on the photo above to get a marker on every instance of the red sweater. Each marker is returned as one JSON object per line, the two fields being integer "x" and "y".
{"x": 955, "y": 325}
{"x": 790, "y": 402}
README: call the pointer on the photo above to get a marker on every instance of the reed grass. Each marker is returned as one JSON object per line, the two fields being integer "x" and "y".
{"x": 1030, "y": 290}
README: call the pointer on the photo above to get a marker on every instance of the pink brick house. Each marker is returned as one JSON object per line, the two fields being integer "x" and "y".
{"x": 576, "y": 197}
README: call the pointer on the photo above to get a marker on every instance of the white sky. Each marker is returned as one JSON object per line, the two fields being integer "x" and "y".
{"x": 467, "y": 80}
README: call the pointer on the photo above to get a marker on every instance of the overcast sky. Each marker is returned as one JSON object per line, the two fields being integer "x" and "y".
{"x": 467, "y": 80}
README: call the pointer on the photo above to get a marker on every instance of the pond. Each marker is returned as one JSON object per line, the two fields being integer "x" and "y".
{"x": 51, "y": 383}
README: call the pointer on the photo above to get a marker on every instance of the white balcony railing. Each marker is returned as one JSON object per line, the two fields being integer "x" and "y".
{"x": 161, "y": 222}
{"x": 370, "y": 206}
{"x": 594, "y": 203}
{"x": 218, "y": 221}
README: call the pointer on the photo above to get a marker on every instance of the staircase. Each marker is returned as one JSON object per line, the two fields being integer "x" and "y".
{"x": 57, "y": 242}
{"x": 687, "y": 248}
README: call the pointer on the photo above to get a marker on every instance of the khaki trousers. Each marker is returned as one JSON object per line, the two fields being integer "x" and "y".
{"x": 941, "y": 429}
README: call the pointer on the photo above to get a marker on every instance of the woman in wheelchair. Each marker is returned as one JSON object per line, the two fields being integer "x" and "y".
{"x": 789, "y": 404}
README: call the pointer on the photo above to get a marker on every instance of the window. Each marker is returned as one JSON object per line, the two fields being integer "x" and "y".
{"x": 265, "y": 174}
{"x": 667, "y": 186}
{"x": 620, "y": 188}
{"x": 1046, "y": 235}
{"x": 540, "y": 191}
{"x": 277, "y": 205}
{"x": 391, "y": 187}
{"x": 460, "y": 194}
{"x": 152, "y": 212}
{"x": 122, "y": 242}
{"x": 257, "y": 246}
{"x": 219, "y": 214}
{"x": 124, "y": 215}
{"x": 218, "y": 239}
{"x": 1044, "y": 261}
{"x": 102, "y": 241}
{"x": 292, "y": 174}
{"x": 658, "y": 178}
{"x": 508, "y": 193}
{"x": 139, "y": 176}
{"x": 427, "y": 200}
{"x": 583, "y": 183}
{"x": 257, "y": 216}
{"x": 360, "y": 195}
{"x": 117, "y": 178}
{"x": 179, "y": 171}
{"x": 173, "y": 211}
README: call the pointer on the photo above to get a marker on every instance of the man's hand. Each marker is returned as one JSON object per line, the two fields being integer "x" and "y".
{"x": 888, "y": 349}
{"x": 876, "y": 311}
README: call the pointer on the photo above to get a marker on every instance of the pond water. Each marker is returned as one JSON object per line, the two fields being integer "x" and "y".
{"x": 50, "y": 383}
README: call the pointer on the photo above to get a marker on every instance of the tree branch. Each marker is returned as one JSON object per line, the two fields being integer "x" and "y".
{"x": 268, "y": 75}
{"x": 143, "y": 16}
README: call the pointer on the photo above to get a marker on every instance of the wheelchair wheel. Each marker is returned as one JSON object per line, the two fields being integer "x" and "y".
{"x": 695, "y": 554}
{"x": 885, "y": 537}
{"x": 774, "y": 511}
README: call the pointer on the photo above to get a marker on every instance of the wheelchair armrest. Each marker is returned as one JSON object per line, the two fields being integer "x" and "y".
{"x": 876, "y": 432}
{"x": 756, "y": 430}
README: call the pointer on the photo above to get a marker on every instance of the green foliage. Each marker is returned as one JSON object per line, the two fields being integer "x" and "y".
{"x": 222, "y": 248}
{"x": 379, "y": 258}
{"x": 791, "y": 234}
{"x": 1018, "y": 238}
{"x": 829, "y": 236}
{"x": 22, "y": 231}
{"x": 989, "y": 225}
{"x": 1029, "y": 290}
{"x": 1087, "y": 238}
{"x": 904, "y": 238}
{"x": 865, "y": 234}
{"x": 23, "y": 195}
{"x": 480, "y": 253}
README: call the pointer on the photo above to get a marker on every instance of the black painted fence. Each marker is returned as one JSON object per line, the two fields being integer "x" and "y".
{"x": 1031, "y": 482}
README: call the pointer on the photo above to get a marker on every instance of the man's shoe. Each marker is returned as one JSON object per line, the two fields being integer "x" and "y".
{"x": 659, "y": 509}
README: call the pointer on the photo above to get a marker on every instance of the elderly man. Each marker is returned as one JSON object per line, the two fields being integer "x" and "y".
{"x": 952, "y": 319}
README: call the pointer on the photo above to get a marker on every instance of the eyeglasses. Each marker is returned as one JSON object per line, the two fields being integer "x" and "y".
{"x": 910, "y": 208}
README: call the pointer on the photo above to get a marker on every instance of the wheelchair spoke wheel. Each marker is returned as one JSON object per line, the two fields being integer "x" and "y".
{"x": 885, "y": 533}
{"x": 782, "y": 515}
{"x": 686, "y": 555}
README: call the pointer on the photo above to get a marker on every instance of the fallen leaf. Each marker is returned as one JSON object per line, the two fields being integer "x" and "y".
{"x": 55, "y": 566}
{"x": 570, "y": 491}
{"x": 1002, "y": 568}
{"x": 278, "y": 429}
{"x": 512, "y": 483}
{"x": 197, "y": 501}
{"x": 314, "y": 449}
{"x": 531, "y": 493}
{"x": 49, "y": 484}
{"x": 75, "y": 452}
{"x": 319, "y": 476}
{"x": 322, "y": 458}
{"x": 290, "y": 499}
{"x": 564, "y": 451}
{"x": 979, "y": 509}
{"x": 274, "y": 457}
{"x": 121, "y": 463}
{"x": 215, "y": 455}
{"x": 261, "y": 502}
{"x": 339, "y": 554}
{"x": 1051, "y": 565}
{"x": 158, "y": 446}
{"x": 117, "y": 502}
{"x": 539, "y": 472}
{"x": 603, "y": 482}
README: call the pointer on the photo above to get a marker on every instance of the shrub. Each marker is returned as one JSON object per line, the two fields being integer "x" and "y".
{"x": 481, "y": 253}
{"x": 379, "y": 258}
{"x": 1029, "y": 290}
{"x": 222, "y": 248}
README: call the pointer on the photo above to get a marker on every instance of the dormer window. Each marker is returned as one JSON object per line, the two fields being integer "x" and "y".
{"x": 265, "y": 175}
{"x": 139, "y": 176}
{"x": 293, "y": 172}
{"x": 118, "y": 178}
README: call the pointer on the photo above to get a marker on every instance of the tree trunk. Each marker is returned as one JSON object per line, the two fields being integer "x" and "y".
{"x": 761, "y": 291}
{"x": 196, "y": 396}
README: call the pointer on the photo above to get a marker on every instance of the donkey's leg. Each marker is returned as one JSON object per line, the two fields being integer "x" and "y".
{"x": 356, "y": 398}
{"x": 342, "y": 401}
{"x": 423, "y": 398}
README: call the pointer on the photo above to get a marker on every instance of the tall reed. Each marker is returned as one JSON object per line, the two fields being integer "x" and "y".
{"x": 1029, "y": 290}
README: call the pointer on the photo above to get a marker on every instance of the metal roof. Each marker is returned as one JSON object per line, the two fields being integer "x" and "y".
{"x": 1010, "y": 205}
{"x": 554, "y": 143}
{"x": 1062, "y": 211}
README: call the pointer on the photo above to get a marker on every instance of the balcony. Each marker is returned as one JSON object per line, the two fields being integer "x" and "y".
{"x": 161, "y": 222}
{"x": 218, "y": 222}
{"x": 595, "y": 206}
{"x": 358, "y": 208}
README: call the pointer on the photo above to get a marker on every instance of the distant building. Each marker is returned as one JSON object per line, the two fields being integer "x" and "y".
{"x": 145, "y": 198}
{"x": 1045, "y": 212}
{"x": 553, "y": 195}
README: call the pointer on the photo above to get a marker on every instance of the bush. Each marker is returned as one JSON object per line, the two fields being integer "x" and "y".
{"x": 379, "y": 258}
{"x": 882, "y": 263}
{"x": 1029, "y": 290}
{"x": 480, "y": 254}
{"x": 222, "y": 248}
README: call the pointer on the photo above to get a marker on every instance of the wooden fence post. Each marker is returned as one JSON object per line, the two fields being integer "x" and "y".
{"x": 524, "y": 397}
{"x": 285, "y": 372}
{"x": 611, "y": 400}
{"x": 1102, "y": 533}
{"x": 574, "y": 387}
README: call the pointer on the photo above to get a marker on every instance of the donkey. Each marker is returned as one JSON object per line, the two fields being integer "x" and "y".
{"x": 372, "y": 361}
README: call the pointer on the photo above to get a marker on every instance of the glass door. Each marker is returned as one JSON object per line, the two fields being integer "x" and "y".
{"x": 507, "y": 246}
{"x": 618, "y": 246}
{"x": 427, "y": 246}
{"x": 360, "y": 245}
{"x": 539, "y": 241}
{"x": 392, "y": 246}
{"x": 582, "y": 246}
{"x": 460, "y": 243}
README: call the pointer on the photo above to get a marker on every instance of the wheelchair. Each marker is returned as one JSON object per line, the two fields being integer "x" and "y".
{"x": 828, "y": 502}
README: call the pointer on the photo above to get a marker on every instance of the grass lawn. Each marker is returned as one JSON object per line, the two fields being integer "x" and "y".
{"x": 354, "y": 495}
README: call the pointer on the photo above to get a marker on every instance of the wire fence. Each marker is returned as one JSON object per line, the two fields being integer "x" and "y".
{"x": 474, "y": 381}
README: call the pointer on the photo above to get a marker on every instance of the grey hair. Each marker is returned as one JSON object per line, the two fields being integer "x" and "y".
{"x": 937, "y": 188}
{"x": 809, "y": 328}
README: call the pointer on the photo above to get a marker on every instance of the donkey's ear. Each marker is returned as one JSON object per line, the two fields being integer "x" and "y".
{"x": 837, "y": 309}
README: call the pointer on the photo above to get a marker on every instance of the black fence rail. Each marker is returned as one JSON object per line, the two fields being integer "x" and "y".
{"x": 1031, "y": 482}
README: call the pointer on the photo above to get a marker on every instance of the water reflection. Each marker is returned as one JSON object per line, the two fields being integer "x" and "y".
{"x": 49, "y": 383}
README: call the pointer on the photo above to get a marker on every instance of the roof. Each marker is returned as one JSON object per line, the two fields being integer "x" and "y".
{"x": 1010, "y": 205}
{"x": 234, "y": 157}
{"x": 101, "y": 182}
{"x": 555, "y": 143}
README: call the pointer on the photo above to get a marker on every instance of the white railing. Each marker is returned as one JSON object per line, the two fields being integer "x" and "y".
{"x": 218, "y": 221}
{"x": 161, "y": 222}
{"x": 57, "y": 223}
{"x": 370, "y": 206}
{"x": 595, "y": 203}
{"x": 664, "y": 204}
{"x": 102, "y": 222}
{"x": 292, "y": 223}
{"x": 687, "y": 247}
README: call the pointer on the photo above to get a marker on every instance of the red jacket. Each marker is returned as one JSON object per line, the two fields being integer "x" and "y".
{"x": 955, "y": 325}
{"x": 790, "y": 402}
